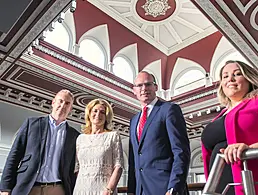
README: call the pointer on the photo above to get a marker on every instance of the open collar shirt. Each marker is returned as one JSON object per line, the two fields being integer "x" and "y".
{"x": 49, "y": 170}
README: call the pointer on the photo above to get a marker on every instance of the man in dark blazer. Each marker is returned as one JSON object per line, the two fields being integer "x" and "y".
{"x": 42, "y": 158}
{"x": 159, "y": 159}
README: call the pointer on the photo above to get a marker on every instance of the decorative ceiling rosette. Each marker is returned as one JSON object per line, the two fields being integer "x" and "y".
{"x": 156, "y": 7}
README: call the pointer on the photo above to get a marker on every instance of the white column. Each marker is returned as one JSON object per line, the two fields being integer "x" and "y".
{"x": 110, "y": 67}
{"x": 76, "y": 49}
{"x": 208, "y": 80}
{"x": 164, "y": 94}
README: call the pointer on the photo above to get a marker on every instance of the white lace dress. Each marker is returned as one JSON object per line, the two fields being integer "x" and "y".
{"x": 97, "y": 155}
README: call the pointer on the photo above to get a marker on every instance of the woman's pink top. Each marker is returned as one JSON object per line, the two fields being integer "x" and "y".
{"x": 241, "y": 125}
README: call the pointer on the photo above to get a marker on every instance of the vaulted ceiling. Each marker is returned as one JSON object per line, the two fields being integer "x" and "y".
{"x": 180, "y": 25}
{"x": 182, "y": 32}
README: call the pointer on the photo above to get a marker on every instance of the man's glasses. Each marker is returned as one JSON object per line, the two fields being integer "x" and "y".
{"x": 148, "y": 84}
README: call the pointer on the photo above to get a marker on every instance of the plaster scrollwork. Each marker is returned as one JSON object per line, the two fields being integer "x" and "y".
{"x": 218, "y": 18}
{"x": 82, "y": 67}
{"x": 121, "y": 127}
{"x": 198, "y": 161}
{"x": 28, "y": 103}
{"x": 156, "y": 7}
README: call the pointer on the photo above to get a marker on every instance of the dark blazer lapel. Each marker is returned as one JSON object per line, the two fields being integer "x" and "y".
{"x": 43, "y": 126}
{"x": 150, "y": 119}
{"x": 67, "y": 147}
{"x": 134, "y": 127}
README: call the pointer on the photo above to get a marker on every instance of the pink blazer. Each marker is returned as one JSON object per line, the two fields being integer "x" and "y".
{"x": 241, "y": 125}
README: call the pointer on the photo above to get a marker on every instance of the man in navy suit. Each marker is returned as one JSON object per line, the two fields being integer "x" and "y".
{"x": 159, "y": 159}
{"x": 42, "y": 158}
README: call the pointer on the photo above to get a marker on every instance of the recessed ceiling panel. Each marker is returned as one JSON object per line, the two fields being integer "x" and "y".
{"x": 166, "y": 38}
{"x": 11, "y": 11}
{"x": 183, "y": 31}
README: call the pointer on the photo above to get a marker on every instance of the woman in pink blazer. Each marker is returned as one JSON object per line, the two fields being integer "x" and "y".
{"x": 235, "y": 128}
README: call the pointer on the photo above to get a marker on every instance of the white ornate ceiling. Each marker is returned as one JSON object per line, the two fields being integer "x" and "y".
{"x": 28, "y": 84}
{"x": 183, "y": 24}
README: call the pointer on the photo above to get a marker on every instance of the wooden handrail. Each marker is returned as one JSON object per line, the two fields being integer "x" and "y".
{"x": 191, "y": 187}
{"x": 195, "y": 186}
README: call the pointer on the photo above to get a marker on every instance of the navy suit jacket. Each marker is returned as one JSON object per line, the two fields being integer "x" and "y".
{"x": 24, "y": 160}
{"x": 160, "y": 160}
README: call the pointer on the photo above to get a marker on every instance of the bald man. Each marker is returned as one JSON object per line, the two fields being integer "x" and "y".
{"x": 42, "y": 157}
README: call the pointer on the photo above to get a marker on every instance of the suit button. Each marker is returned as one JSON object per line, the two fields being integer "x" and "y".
{"x": 141, "y": 169}
{"x": 140, "y": 153}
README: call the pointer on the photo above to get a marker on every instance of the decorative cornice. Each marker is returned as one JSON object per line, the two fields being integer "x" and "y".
{"x": 4, "y": 66}
{"x": 201, "y": 105}
{"x": 74, "y": 77}
{"x": 236, "y": 21}
{"x": 81, "y": 67}
{"x": 30, "y": 101}
{"x": 42, "y": 23}
{"x": 44, "y": 105}
{"x": 223, "y": 24}
{"x": 198, "y": 96}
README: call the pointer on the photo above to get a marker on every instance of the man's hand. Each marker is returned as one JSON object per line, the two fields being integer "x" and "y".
{"x": 168, "y": 193}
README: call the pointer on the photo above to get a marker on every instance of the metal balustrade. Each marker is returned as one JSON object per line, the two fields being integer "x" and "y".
{"x": 217, "y": 168}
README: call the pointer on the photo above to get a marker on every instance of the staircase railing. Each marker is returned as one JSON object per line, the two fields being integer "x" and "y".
{"x": 216, "y": 172}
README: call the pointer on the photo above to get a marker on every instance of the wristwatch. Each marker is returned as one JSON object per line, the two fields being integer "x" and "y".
{"x": 172, "y": 192}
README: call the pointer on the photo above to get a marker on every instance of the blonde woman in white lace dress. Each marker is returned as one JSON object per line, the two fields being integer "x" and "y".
{"x": 99, "y": 152}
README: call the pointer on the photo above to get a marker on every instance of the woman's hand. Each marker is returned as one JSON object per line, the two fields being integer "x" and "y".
{"x": 106, "y": 192}
{"x": 255, "y": 145}
{"x": 233, "y": 152}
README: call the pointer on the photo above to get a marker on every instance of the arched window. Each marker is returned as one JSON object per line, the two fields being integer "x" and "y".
{"x": 123, "y": 69}
{"x": 232, "y": 56}
{"x": 59, "y": 37}
{"x": 91, "y": 52}
{"x": 190, "y": 80}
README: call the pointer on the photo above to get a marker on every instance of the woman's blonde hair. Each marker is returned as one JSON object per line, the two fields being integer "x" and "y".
{"x": 250, "y": 74}
{"x": 109, "y": 115}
